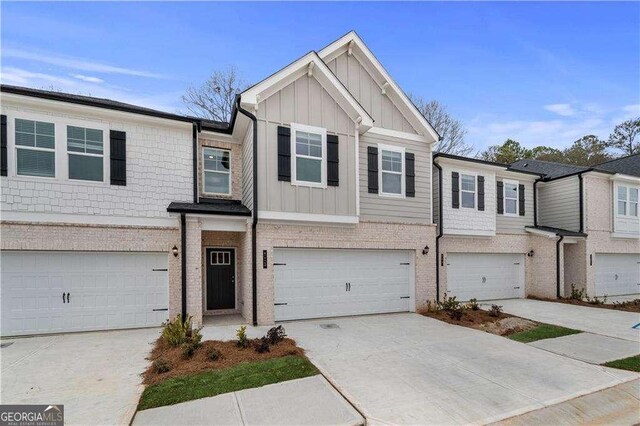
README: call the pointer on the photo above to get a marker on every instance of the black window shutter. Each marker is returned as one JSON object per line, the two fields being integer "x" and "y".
{"x": 372, "y": 168}
{"x": 333, "y": 171}
{"x": 481, "y": 193}
{"x": 118, "y": 157}
{"x": 521, "y": 199}
{"x": 3, "y": 146}
{"x": 455, "y": 190}
{"x": 284, "y": 154}
{"x": 500, "y": 193}
{"x": 410, "y": 178}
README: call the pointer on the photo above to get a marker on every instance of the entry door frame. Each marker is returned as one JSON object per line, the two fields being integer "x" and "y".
{"x": 204, "y": 282}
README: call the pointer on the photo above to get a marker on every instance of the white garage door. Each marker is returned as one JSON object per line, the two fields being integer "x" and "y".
{"x": 312, "y": 283}
{"x": 485, "y": 276}
{"x": 617, "y": 274}
{"x": 49, "y": 292}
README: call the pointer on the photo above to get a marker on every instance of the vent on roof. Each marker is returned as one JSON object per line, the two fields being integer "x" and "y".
{"x": 525, "y": 164}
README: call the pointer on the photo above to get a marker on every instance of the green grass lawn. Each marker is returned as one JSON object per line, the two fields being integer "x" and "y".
{"x": 542, "y": 331}
{"x": 632, "y": 363}
{"x": 214, "y": 382}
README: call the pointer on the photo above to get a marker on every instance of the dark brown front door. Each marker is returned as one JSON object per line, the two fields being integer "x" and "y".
{"x": 221, "y": 279}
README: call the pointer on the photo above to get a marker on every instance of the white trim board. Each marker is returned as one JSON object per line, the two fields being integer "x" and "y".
{"x": 306, "y": 217}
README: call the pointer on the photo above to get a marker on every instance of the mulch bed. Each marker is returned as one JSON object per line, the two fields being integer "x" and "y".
{"x": 630, "y": 306}
{"x": 231, "y": 355}
{"x": 470, "y": 317}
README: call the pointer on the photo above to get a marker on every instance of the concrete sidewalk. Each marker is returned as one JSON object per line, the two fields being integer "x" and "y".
{"x": 308, "y": 401}
{"x": 589, "y": 347}
{"x": 607, "y": 322}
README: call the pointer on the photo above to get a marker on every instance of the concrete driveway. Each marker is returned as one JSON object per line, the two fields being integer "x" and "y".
{"x": 409, "y": 369}
{"x": 606, "y": 322}
{"x": 95, "y": 375}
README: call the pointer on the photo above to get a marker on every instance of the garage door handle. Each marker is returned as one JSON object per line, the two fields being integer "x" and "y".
{"x": 63, "y": 297}
{"x": 161, "y": 309}
{"x": 279, "y": 304}
{"x": 68, "y": 297}
{"x": 157, "y": 270}
{"x": 405, "y": 297}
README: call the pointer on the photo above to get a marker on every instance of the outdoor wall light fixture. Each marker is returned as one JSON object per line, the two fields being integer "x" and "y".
{"x": 531, "y": 253}
{"x": 174, "y": 250}
{"x": 425, "y": 250}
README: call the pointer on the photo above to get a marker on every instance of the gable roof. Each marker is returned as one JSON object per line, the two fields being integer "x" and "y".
{"x": 352, "y": 43}
{"x": 312, "y": 65}
{"x": 629, "y": 165}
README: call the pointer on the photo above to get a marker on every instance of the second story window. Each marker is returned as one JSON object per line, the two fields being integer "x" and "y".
{"x": 35, "y": 148}
{"x": 633, "y": 202}
{"x": 217, "y": 171}
{"x": 468, "y": 191}
{"x": 510, "y": 198}
{"x": 392, "y": 171}
{"x": 627, "y": 201}
{"x": 309, "y": 155}
{"x": 85, "y": 148}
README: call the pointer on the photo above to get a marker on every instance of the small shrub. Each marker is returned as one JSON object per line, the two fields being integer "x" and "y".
{"x": 495, "y": 311}
{"x": 161, "y": 365}
{"x": 262, "y": 345}
{"x": 449, "y": 303}
{"x": 178, "y": 332}
{"x": 276, "y": 335}
{"x": 577, "y": 294}
{"x": 188, "y": 349}
{"x": 456, "y": 314}
{"x": 213, "y": 354}
{"x": 473, "y": 304}
{"x": 596, "y": 301}
{"x": 431, "y": 307}
{"x": 241, "y": 333}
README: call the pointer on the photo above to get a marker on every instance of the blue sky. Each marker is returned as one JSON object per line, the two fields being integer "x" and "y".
{"x": 541, "y": 73}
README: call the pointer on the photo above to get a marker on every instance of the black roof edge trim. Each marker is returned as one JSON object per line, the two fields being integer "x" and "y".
{"x": 507, "y": 167}
{"x": 199, "y": 211}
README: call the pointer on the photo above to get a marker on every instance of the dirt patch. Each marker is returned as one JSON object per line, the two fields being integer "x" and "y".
{"x": 630, "y": 306}
{"x": 503, "y": 325}
{"x": 508, "y": 326}
{"x": 230, "y": 355}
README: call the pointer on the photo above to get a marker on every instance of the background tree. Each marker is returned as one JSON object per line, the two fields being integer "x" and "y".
{"x": 450, "y": 129}
{"x": 625, "y": 137}
{"x": 589, "y": 150}
{"x": 546, "y": 153}
{"x": 506, "y": 153}
{"x": 214, "y": 99}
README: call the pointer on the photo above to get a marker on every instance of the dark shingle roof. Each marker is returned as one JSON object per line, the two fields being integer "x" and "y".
{"x": 210, "y": 206}
{"x": 558, "y": 231}
{"x": 548, "y": 169}
{"x": 629, "y": 165}
{"x": 110, "y": 104}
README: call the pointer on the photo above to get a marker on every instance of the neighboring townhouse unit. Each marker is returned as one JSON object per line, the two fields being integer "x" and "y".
{"x": 601, "y": 202}
{"x": 488, "y": 244}
{"x": 314, "y": 201}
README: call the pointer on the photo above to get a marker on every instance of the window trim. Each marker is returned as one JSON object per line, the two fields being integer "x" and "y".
{"x": 504, "y": 197}
{"x": 398, "y": 149}
{"x": 295, "y": 128}
{"x": 105, "y": 171}
{"x": 204, "y": 170}
{"x": 475, "y": 192}
{"x": 627, "y": 200}
{"x": 16, "y": 147}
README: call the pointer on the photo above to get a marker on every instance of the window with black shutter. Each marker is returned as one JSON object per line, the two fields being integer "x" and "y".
{"x": 372, "y": 169}
{"x": 500, "y": 197}
{"x": 410, "y": 184}
{"x": 521, "y": 199}
{"x": 455, "y": 190}
{"x": 333, "y": 169}
{"x": 3, "y": 145}
{"x": 481, "y": 193}
{"x": 284, "y": 154}
{"x": 118, "y": 157}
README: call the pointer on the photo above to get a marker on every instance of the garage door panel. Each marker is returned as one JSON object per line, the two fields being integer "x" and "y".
{"x": 312, "y": 282}
{"x": 106, "y": 290}
{"x": 485, "y": 276}
{"x": 617, "y": 274}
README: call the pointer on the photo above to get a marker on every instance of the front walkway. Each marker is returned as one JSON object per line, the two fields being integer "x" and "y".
{"x": 606, "y": 322}
{"x": 308, "y": 401}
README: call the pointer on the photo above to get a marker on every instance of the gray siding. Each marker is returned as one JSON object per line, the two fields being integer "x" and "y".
{"x": 369, "y": 93}
{"x": 436, "y": 196}
{"x": 516, "y": 224}
{"x": 247, "y": 168}
{"x": 305, "y": 102}
{"x": 415, "y": 209}
{"x": 559, "y": 204}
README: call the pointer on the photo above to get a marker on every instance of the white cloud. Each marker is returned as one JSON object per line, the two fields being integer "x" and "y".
{"x": 564, "y": 110}
{"x": 75, "y": 63}
{"x": 22, "y": 77}
{"x": 87, "y": 78}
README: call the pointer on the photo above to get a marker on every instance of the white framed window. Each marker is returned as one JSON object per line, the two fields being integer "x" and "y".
{"x": 85, "y": 153}
{"x": 308, "y": 155}
{"x": 510, "y": 197}
{"x": 35, "y": 148}
{"x": 216, "y": 166}
{"x": 391, "y": 171}
{"x": 468, "y": 191}
{"x": 627, "y": 201}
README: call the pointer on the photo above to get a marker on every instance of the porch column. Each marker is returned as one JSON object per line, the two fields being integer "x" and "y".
{"x": 194, "y": 269}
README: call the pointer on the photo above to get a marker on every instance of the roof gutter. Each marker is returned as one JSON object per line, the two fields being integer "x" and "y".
{"x": 254, "y": 222}
{"x": 439, "y": 230}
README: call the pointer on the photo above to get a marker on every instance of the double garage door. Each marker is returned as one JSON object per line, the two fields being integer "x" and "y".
{"x": 617, "y": 274}
{"x": 316, "y": 283}
{"x": 485, "y": 276}
{"x": 50, "y": 292}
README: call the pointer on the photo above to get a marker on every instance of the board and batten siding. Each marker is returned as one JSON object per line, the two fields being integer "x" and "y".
{"x": 247, "y": 168}
{"x": 436, "y": 196}
{"x": 305, "y": 102}
{"x": 559, "y": 204}
{"x": 405, "y": 210}
{"x": 368, "y": 92}
{"x": 515, "y": 224}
